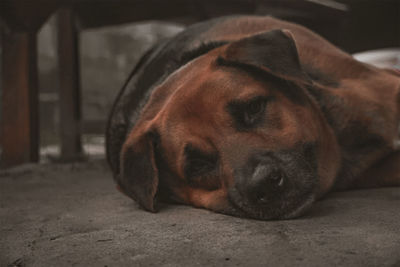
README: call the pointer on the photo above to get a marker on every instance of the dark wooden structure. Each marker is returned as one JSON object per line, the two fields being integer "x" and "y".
{"x": 21, "y": 19}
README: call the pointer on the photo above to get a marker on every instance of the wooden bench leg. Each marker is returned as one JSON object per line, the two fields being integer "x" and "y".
{"x": 19, "y": 128}
{"x": 70, "y": 105}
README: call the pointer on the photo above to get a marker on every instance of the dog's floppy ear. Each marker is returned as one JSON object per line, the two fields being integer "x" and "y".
{"x": 273, "y": 51}
{"x": 139, "y": 174}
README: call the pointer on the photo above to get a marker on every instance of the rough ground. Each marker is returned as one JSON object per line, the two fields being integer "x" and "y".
{"x": 71, "y": 215}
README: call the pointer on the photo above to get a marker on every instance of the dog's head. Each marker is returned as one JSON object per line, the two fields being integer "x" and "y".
{"x": 234, "y": 131}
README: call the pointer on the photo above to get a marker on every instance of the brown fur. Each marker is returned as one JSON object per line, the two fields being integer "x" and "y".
{"x": 355, "y": 105}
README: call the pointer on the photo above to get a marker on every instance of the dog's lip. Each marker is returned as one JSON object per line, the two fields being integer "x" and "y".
{"x": 258, "y": 211}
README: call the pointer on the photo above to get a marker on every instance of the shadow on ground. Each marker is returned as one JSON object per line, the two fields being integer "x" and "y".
{"x": 71, "y": 215}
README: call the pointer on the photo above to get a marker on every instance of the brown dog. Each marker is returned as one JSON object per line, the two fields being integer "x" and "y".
{"x": 254, "y": 117}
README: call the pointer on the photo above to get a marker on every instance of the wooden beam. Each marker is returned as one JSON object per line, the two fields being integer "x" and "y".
{"x": 23, "y": 15}
{"x": 70, "y": 104}
{"x": 19, "y": 127}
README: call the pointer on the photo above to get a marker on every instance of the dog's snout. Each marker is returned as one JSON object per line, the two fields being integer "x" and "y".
{"x": 265, "y": 183}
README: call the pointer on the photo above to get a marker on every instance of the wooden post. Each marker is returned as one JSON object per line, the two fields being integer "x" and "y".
{"x": 70, "y": 109}
{"x": 19, "y": 128}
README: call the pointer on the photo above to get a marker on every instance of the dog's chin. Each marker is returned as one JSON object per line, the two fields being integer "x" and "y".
{"x": 281, "y": 209}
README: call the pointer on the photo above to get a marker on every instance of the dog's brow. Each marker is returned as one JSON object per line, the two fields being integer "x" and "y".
{"x": 252, "y": 70}
{"x": 288, "y": 88}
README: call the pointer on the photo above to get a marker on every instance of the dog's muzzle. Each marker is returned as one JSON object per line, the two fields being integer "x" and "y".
{"x": 275, "y": 185}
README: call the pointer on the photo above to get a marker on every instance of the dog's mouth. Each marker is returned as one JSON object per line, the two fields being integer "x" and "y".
{"x": 278, "y": 209}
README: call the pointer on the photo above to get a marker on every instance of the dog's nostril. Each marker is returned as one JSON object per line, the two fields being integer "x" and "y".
{"x": 277, "y": 179}
{"x": 262, "y": 200}
{"x": 265, "y": 183}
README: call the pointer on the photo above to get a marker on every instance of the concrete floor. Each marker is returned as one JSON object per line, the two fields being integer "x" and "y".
{"x": 71, "y": 215}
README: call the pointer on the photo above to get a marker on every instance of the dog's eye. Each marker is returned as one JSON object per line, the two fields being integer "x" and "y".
{"x": 247, "y": 114}
{"x": 254, "y": 109}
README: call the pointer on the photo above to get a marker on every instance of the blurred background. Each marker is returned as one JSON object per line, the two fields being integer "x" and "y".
{"x": 107, "y": 56}
{"x": 113, "y": 38}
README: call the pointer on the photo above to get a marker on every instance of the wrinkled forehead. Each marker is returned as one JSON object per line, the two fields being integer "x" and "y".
{"x": 193, "y": 99}
{"x": 203, "y": 85}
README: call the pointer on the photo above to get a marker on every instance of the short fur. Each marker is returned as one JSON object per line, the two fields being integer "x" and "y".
{"x": 255, "y": 117}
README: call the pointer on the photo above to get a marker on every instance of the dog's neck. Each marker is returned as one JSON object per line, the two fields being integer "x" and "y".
{"x": 365, "y": 116}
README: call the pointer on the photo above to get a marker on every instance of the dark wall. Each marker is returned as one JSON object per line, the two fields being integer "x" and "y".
{"x": 108, "y": 54}
{"x": 371, "y": 24}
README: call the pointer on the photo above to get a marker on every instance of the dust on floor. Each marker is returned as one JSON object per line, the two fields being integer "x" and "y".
{"x": 71, "y": 215}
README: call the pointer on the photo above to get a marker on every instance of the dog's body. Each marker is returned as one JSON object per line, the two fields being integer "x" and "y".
{"x": 252, "y": 116}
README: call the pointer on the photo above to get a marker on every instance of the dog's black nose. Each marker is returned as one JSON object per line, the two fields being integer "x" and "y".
{"x": 265, "y": 184}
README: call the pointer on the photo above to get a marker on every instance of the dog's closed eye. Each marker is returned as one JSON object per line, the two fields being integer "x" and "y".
{"x": 198, "y": 165}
